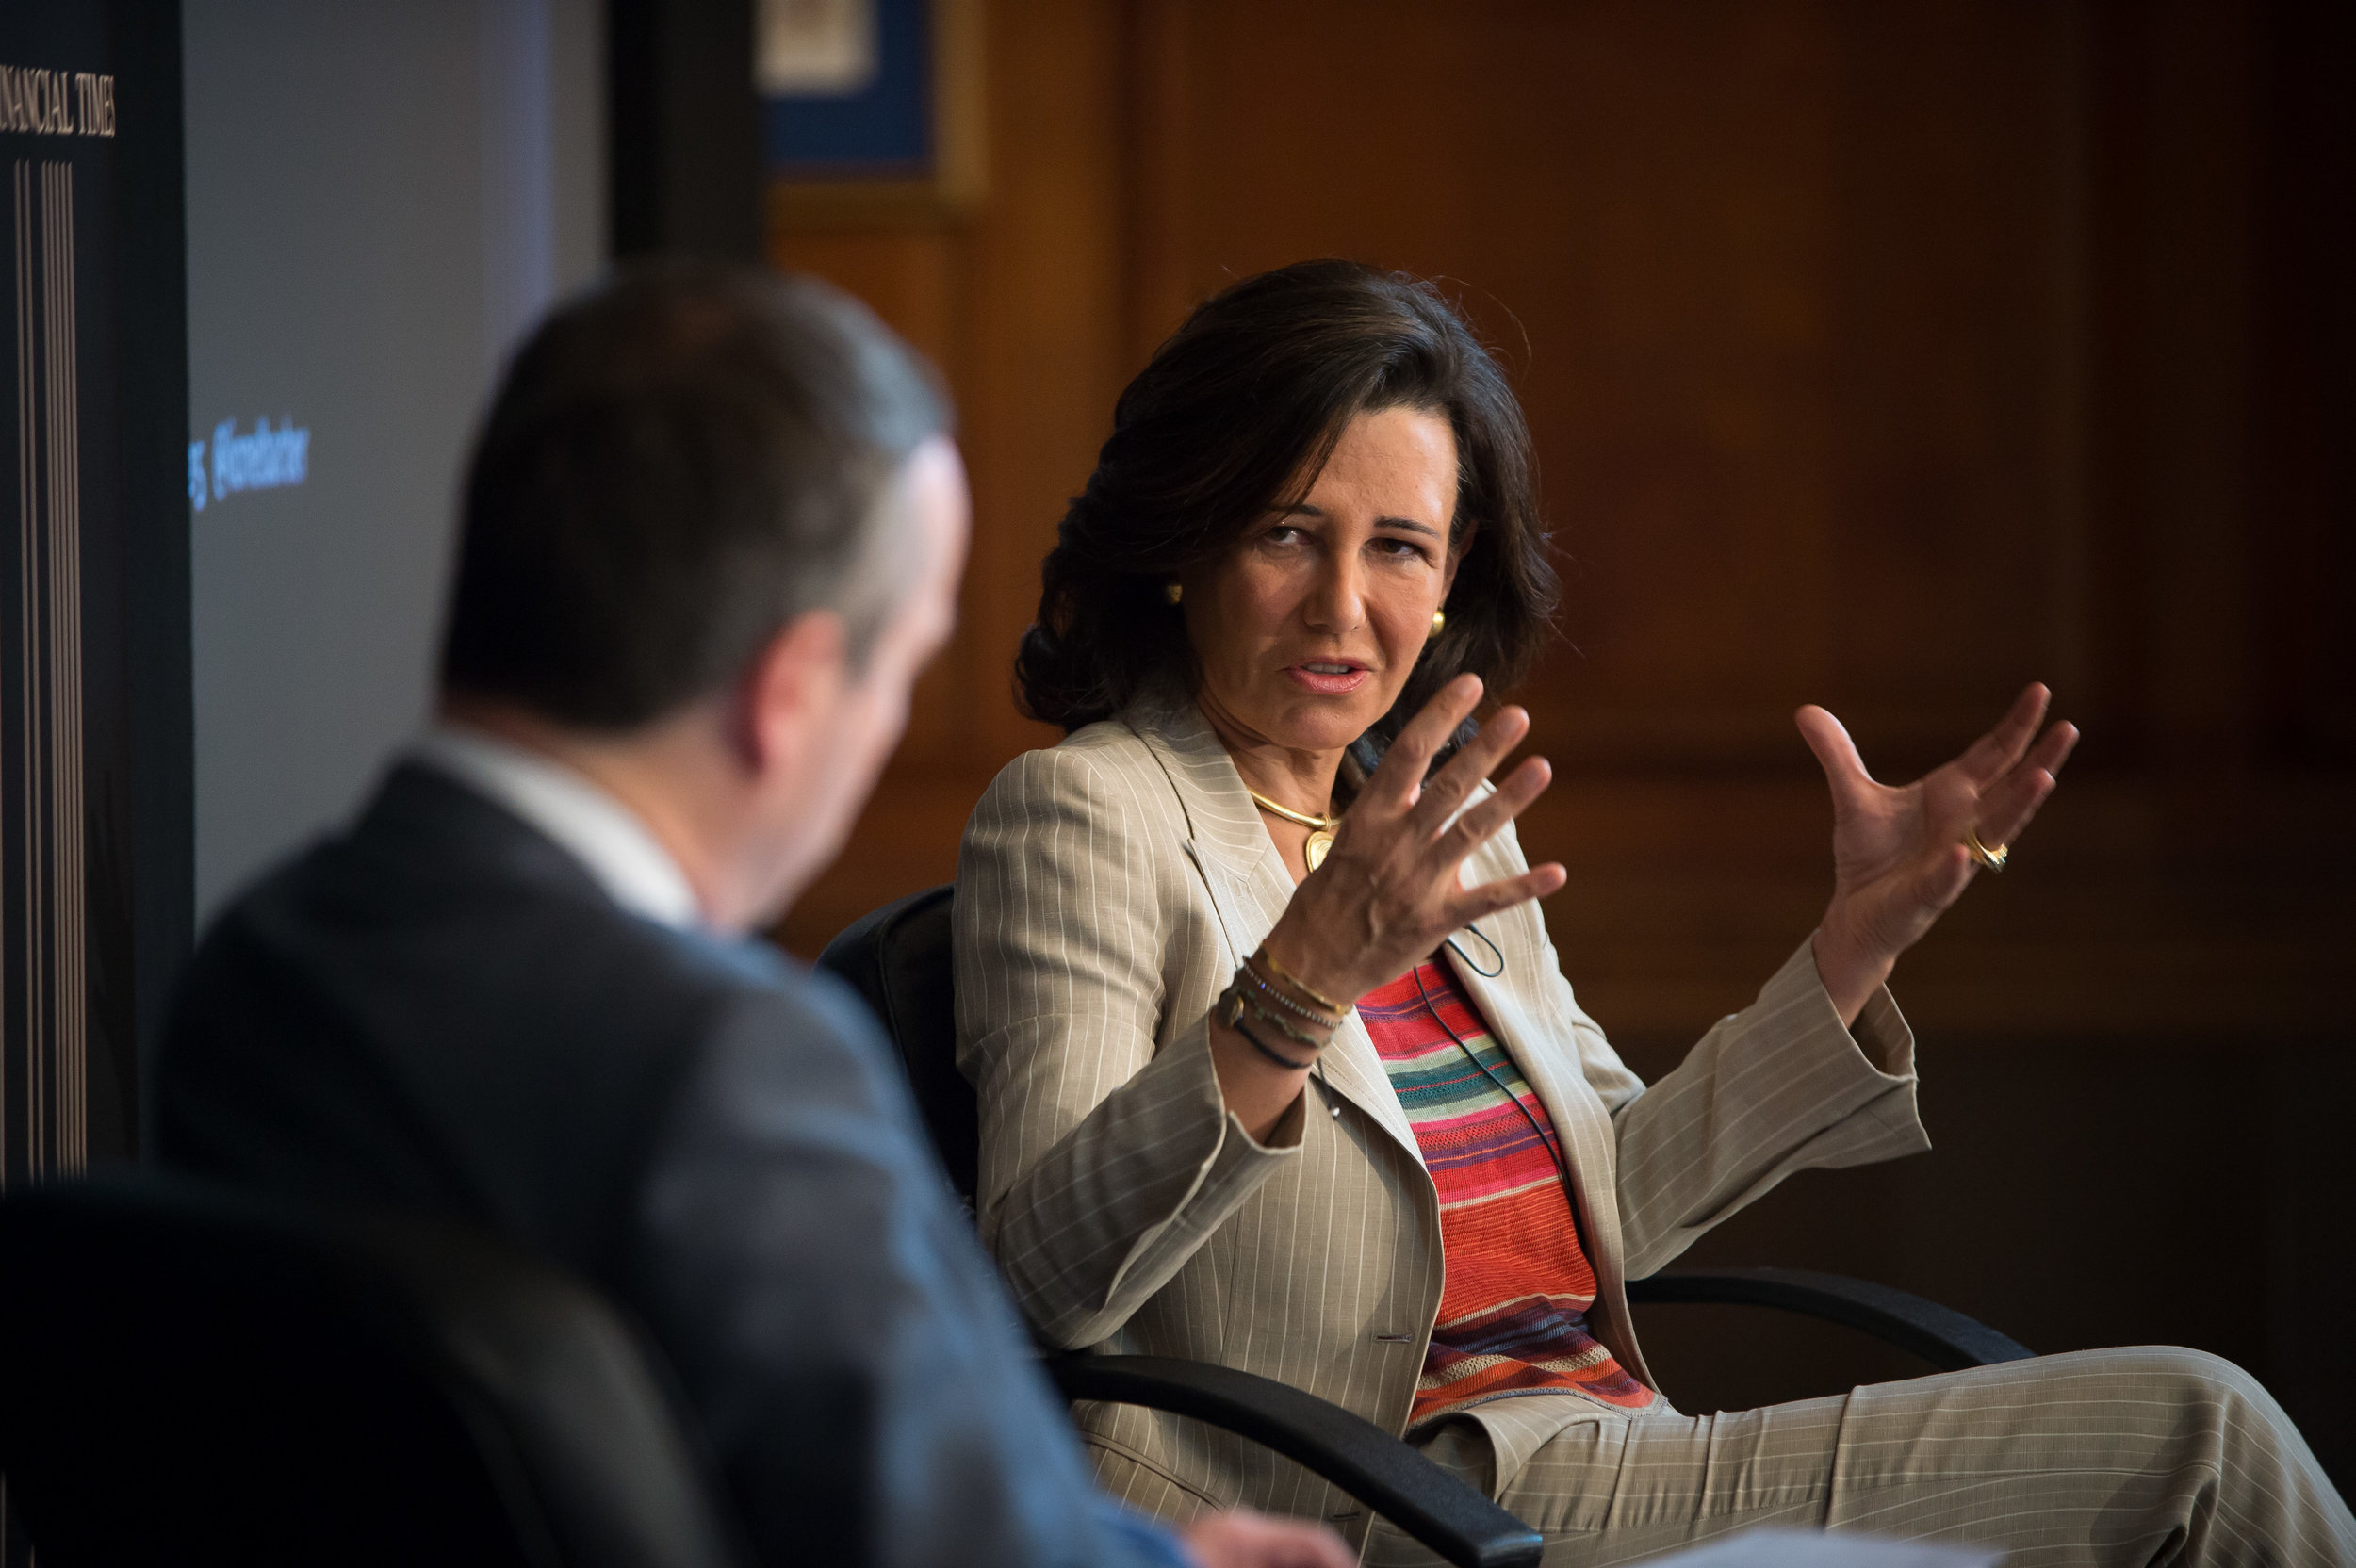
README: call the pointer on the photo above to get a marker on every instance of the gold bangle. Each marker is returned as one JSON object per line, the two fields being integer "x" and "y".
{"x": 1269, "y": 990}
{"x": 1289, "y": 978}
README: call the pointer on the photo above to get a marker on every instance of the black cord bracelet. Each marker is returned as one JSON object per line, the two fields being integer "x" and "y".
{"x": 1270, "y": 1053}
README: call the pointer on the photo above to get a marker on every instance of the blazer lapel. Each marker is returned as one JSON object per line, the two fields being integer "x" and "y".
{"x": 1250, "y": 887}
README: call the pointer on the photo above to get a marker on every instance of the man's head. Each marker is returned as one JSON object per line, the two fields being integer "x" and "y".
{"x": 712, "y": 529}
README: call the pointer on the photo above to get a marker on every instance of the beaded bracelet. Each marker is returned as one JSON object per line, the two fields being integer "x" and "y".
{"x": 1230, "y": 1012}
{"x": 1269, "y": 991}
{"x": 1286, "y": 1028}
{"x": 1263, "y": 1049}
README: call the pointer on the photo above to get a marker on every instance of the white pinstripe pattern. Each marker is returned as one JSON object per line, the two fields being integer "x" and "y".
{"x": 2100, "y": 1457}
{"x": 1106, "y": 891}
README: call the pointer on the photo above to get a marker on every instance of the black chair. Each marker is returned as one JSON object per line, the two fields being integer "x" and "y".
{"x": 189, "y": 1376}
{"x": 898, "y": 958}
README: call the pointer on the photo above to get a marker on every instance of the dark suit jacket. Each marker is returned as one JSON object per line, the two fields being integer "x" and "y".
{"x": 442, "y": 1009}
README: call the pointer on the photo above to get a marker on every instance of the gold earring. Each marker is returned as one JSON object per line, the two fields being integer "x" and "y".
{"x": 1439, "y": 619}
{"x": 1174, "y": 591}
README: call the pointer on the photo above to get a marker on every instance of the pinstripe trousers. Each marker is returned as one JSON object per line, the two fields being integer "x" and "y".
{"x": 2100, "y": 1457}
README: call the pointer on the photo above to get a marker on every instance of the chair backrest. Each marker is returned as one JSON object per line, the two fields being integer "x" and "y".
{"x": 898, "y": 958}
{"x": 190, "y": 1375}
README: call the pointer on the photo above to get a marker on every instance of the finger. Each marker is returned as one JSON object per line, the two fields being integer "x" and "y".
{"x": 2054, "y": 749}
{"x": 1487, "y": 899}
{"x": 2007, "y": 808}
{"x": 1399, "y": 775}
{"x": 1315, "y": 1547}
{"x": 1513, "y": 794}
{"x": 1989, "y": 757}
{"x": 1242, "y": 1539}
{"x": 1836, "y": 753}
{"x": 2003, "y": 814}
{"x": 1490, "y": 744}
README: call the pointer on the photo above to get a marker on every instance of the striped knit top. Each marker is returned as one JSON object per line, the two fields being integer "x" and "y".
{"x": 1514, "y": 1309}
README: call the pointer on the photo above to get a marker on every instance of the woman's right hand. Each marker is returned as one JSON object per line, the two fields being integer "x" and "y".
{"x": 1391, "y": 889}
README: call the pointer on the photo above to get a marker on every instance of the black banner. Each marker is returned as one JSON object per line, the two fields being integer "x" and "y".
{"x": 94, "y": 757}
{"x": 96, "y": 808}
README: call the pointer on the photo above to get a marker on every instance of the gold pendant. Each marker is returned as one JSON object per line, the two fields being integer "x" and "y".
{"x": 1319, "y": 841}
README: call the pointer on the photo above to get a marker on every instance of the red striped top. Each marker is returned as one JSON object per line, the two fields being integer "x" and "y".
{"x": 1513, "y": 1310}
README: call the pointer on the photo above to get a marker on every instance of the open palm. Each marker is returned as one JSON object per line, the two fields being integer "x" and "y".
{"x": 1899, "y": 853}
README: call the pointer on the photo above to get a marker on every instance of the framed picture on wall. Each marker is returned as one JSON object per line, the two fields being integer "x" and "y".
{"x": 871, "y": 111}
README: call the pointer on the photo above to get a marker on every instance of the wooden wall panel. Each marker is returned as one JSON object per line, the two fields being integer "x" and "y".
{"x": 1023, "y": 309}
{"x": 2305, "y": 542}
{"x": 1777, "y": 280}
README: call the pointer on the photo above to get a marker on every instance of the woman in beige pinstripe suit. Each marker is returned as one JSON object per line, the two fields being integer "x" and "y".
{"x": 1311, "y": 538}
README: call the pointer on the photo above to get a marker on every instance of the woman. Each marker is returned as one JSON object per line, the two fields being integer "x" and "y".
{"x": 1313, "y": 1099}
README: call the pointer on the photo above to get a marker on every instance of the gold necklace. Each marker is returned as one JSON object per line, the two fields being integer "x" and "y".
{"x": 1320, "y": 828}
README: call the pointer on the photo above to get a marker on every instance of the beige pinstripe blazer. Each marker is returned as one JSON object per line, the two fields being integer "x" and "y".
{"x": 1106, "y": 890}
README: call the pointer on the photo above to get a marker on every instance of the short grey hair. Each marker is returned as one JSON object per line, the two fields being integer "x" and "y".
{"x": 676, "y": 466}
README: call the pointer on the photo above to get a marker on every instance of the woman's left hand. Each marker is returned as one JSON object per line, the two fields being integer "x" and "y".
{"x": 1899, "y": 855}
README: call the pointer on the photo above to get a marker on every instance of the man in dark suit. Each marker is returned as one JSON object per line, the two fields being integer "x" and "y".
{"x": 712, "y": 529}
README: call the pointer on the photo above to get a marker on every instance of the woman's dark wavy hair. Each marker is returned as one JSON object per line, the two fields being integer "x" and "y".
{"x": 1244, "y": 401}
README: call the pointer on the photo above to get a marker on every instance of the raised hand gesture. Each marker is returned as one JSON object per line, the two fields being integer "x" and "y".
{"x": 1901, "y": 856}
{"x": 1392, "y": 888}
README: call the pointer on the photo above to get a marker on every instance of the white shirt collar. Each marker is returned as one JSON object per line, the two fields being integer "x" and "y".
{"x": 605, "y": 836}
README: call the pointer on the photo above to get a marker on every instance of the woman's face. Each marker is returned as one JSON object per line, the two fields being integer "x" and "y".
{"x": 1306, "y": 631}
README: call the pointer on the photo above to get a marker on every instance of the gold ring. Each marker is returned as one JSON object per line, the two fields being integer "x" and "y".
{"x": 1992, "y": 859}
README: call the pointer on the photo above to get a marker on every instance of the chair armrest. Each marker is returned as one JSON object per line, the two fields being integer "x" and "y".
{"x": 1940, "y": 1336}
{"x": 1362, "y": 1459}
